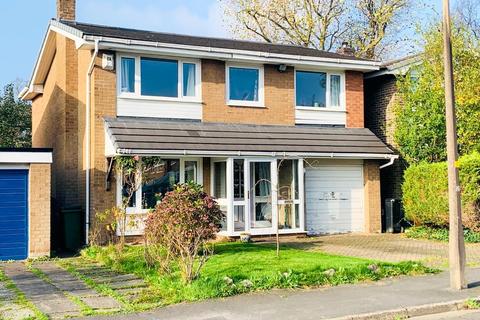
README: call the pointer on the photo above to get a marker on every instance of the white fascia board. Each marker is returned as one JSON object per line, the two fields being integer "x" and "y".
{"x": 54, "y": 27}
{"x": 333, "y": 155}
{"x": 229, "y": 54}
{"x": 25, "y": 157}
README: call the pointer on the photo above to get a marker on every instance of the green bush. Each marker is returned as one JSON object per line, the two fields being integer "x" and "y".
{"x": 440, "y": 234}
{"x": 425, "y": 193}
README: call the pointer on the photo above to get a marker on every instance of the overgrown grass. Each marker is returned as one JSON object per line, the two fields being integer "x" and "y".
{"x": 440, "y": 234}
{"x": 237, "y": 268}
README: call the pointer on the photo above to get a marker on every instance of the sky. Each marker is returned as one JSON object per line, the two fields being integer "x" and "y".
{"x": 23, "y": 24}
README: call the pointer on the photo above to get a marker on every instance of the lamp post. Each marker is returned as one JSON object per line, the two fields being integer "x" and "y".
{"x": 456, "y": 240}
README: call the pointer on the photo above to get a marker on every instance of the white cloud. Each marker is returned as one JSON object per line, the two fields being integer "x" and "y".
{"x": 159, "y": 16}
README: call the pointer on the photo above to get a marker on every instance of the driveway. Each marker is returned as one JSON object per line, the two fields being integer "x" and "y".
{"x": 386, "y": 247}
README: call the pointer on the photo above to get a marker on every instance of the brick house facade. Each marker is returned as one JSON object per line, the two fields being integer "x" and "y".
{"x": 59, "y": 98}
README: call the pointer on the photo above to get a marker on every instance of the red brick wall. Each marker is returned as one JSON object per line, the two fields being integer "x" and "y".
{"x": 278, "y": 91}
{"x": 354, "y": 99}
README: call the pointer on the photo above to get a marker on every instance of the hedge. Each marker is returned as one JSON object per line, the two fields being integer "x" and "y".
{"x": 425, "y": 192}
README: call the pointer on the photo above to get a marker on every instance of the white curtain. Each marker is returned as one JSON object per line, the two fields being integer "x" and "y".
{"x": 189, "y": 80}
{"x": 127, "y": 74}
{"x": 335, "y": 90}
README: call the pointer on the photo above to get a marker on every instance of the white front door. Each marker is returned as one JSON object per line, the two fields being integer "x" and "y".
{"x": 261, "y": 207}
{"x": 334, "y": 195}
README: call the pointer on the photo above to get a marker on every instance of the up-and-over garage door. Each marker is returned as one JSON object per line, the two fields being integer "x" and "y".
{"x": 334, "y": 194}
{"x": 13, "y": 214}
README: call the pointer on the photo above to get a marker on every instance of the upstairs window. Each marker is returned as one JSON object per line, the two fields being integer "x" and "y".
{"x": 159, "y": 78}
{"x": 245, "y": 86}
{"x": 318, "y": 89}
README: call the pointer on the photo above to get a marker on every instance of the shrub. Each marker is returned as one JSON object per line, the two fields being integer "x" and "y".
{"x": 425, "y": 192}
{"x": 180, "y": 227}
{"x": 440, "y": 234}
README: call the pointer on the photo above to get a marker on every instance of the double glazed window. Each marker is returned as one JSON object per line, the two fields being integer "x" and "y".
{"x": 154, "y": 77}
{"x": 318, "y": 89}
{"x": 245, "y": 86}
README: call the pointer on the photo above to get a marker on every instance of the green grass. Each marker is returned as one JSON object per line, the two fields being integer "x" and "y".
{"x": 257, "y": 263}
{"x": 439, "y": 234}
{"x": 20, "y": 298}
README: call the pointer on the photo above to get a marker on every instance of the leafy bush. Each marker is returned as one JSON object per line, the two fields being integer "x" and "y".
{"x": 425, "y": 193}
{"x": 440, "y": 234}
{"x": 179, "y": 228}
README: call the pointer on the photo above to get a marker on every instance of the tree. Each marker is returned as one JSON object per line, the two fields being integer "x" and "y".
{"x": 467, "y": 12}
{"x": 15, "y": 120}
{"x": 420, "y": 115}
{"x": 320, "y": 24}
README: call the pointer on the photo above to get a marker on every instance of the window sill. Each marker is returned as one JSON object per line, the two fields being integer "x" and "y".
{"x": 164, "y": 99}
{"x": 245, "y": 104}
{"x": 320, "y": 109}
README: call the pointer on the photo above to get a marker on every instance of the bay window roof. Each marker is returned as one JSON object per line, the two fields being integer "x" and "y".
{"x": 130, "y": 135}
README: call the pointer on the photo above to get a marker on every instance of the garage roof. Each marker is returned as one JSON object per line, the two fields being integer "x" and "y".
{"x": 141, "y": 136}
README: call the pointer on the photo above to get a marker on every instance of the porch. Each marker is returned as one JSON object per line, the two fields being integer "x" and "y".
{"x": 265, "y": 178}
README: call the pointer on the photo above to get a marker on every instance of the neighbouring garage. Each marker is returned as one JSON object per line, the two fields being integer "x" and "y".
{"x": 334, "y": 196}
{"x": 24, "y": 203}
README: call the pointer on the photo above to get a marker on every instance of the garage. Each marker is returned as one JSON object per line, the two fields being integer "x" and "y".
{"x": 24, "y": 203}
{"x": 13, "y": 214}
{"x": 334, "y": 195}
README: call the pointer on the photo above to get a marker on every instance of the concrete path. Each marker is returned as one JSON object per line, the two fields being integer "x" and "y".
{"x": 55, "y": 292}
{"x": 324, "y": 303}
{"x": 387, "y": 247}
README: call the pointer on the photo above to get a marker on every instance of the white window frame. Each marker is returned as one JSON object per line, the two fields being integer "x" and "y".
{"x": 242, "y": 103}
{"x": 138, "y": 194}
{"x": 137, "y": 94}
{"x": 328, "y": 106}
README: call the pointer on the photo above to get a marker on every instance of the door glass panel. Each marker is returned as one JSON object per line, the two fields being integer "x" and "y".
{"x": 223, "y": 223}
{"x": 285, "y": 216}
{"x": 261, "y": 202}
{"x": 297, "y": 216}
{"x": 190, "y": 171}
{"x": 220, "y": 180}
{"x": 128, "y": 190}
{"x": 238, "y": 180}
{"x": 288, "y": 180}
{"x": 239, "y": 217}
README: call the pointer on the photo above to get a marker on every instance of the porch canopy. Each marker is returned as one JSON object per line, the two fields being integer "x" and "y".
{"x": 172, "y": 137}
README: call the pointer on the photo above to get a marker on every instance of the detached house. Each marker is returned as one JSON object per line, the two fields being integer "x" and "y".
{"x": 274, "y": 132}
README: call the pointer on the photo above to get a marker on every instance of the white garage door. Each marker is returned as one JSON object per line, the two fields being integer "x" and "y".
{"x": 334, "y": 197}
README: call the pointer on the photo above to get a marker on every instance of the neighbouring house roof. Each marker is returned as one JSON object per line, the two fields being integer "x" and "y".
{"x": 141, "y": 41}
{"x": 396, "y": 67}
{"x": 152, "y": 136}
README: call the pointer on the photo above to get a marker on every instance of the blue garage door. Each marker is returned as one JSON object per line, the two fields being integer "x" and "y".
{"x": 13, "y": 214}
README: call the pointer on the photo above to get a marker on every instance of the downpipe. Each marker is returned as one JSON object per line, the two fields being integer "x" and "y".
{"x": 87, "y": 147}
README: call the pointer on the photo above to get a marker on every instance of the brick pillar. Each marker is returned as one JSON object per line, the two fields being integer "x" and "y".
{"x": 39, "y": 210}
{"x": 354, "y": 99}
{"x": 372, "y": 204}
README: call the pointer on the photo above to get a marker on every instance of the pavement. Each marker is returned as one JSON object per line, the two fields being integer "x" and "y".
{"x": 453, "y": 315}
{"x": 324, "y": 303}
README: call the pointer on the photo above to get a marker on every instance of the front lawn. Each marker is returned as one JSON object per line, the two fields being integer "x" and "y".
{"x": 237, "y": 268}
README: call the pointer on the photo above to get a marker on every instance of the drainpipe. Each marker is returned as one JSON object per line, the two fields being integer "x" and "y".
{"x": 87, "y": 134}
{"x": 389, "y": 163}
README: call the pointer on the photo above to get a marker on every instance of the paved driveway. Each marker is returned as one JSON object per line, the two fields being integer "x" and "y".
{"x": 387, "y": 247}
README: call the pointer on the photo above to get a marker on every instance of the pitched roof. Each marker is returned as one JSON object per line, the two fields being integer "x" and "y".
{"x": 138, "y": 136}
{"x": 161, "y": 37}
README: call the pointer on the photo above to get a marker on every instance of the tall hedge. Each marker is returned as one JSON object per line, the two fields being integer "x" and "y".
{"x": 425, "y": 192}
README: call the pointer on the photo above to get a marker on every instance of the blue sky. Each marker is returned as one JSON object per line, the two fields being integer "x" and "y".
{"x": 23, "y": 24}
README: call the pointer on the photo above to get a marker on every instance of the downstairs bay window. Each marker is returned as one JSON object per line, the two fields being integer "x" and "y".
{"x": 157, "y": 181}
